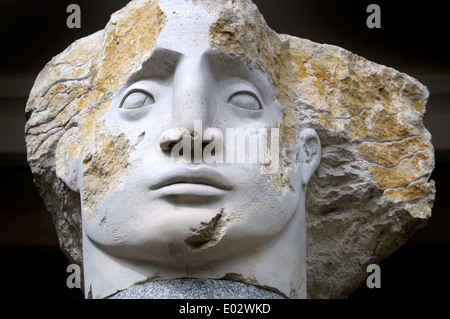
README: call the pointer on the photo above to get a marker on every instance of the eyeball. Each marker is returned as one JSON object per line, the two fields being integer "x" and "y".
{"x": 136, "y": 99}
{"x": 246, "y": 100}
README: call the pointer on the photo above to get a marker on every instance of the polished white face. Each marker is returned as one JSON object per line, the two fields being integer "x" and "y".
{"x": 175, "y": 213}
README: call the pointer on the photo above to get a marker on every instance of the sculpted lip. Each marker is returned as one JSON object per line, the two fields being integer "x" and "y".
{"x": 202, "y": 176}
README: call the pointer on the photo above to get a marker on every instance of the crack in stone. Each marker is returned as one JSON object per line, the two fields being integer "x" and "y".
{"x": 72, "y": 65}
{"x": 54, "y": 117}
{"x": 401, "y": 163}
{"x": 48, "y": 106}
{"x": 59, "y": 81}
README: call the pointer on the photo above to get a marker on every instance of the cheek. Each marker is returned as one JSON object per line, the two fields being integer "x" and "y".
{"x": 116, "y": 209}
{"x": 259, "y": 210}
{"x": 104, "y": 228}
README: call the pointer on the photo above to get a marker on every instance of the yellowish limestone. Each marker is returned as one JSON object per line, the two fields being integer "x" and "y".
{"x": 415, "y": 190}
{"x": 401, "y": 175}
{"x": 373, "y": 104}
{"x": 391, "y": 154}
{"x": 102, "y": 170}
{"x": 421, "y": 209}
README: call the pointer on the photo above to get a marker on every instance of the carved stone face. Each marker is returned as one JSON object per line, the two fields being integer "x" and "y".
{"x": 174, "y": 213}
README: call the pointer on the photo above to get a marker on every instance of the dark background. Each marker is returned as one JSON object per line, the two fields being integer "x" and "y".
{"x": 413, "y": 39}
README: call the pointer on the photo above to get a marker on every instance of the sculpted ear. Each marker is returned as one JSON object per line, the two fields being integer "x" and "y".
{"x": 309, "y": 153}
{"x": 68, "y": 159}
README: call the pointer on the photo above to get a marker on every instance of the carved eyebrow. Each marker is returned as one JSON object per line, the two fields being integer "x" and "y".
{"x": 161, "y": 65}
{"x": 225, "y": 65}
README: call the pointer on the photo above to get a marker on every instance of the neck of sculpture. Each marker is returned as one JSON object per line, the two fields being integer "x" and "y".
{"x": 278, "y": 266}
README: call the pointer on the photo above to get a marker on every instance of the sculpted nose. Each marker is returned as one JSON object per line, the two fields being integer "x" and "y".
{"x": 171, "y": 137}
{"x": 190, "y": 108}
{"x": 191, "y": 94}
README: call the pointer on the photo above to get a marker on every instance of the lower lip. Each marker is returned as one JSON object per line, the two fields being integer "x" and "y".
{"x": 191, "y": 193}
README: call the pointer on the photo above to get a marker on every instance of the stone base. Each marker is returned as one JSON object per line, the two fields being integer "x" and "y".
{"x": 196, "y": 289}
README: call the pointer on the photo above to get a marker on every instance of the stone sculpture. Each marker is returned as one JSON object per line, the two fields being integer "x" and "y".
{"x": 127, "y": 139}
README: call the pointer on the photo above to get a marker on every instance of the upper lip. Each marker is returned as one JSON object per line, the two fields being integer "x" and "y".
{"x": 204, "y": 176}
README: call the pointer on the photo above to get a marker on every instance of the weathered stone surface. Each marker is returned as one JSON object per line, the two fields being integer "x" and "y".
{"x": 372, "y": 190}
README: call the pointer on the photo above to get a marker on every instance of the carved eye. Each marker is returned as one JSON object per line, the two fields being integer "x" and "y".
{"x": 246, "y": 100}
{"x": 136, "y": 99}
